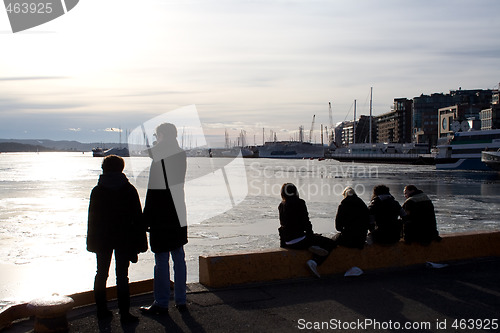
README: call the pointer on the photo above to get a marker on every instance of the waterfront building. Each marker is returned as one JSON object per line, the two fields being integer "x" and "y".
{"x": 395, "y": 126}
{"x": 347, "y": 135}
{"x": 362, "y": 134}
{"x": 490, "y": 117}
{"x": 457, "y": 118}
{"x": 337, "y": 135}
{"x": 472, "y": 96}
{"x": 363, "y": 130}
{"x": 426, "y": 117}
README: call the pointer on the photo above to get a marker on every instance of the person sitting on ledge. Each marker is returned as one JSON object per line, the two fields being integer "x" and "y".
{"x": 385, "y": 225}
{"x": 419, "y": 224}
{"x": 296, "y": 230}
{"x": 351, "y": 220}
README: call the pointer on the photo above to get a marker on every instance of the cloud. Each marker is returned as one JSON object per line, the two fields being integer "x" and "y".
{"x": 19, "y": 108}
{"x": 158, "y": 93}
{"x": 112, "y": 129}
{"x": 245, "y": 64}
{"x": 32, "y": 78}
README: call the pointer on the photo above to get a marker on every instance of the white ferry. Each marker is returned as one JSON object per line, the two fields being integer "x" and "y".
{"x": 398, "y": 153}
{"x": 231, "y": 152}
{"x": 292, "y": 149}
{"x": 462, "y": 151}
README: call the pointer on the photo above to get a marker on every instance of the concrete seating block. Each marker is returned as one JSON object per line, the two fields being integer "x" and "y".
{"x": 222, "y": 270}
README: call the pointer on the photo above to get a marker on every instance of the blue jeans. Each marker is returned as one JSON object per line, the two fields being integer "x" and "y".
{"x": 162, "y": 277}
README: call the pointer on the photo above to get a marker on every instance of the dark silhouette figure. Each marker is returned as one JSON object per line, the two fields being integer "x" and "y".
{"x": 115, "y": 224}
{"x": 385, "y": 225}
{"x": 166, "y": 217}
{"x": 420, "y": 220}
{"x": 296, "y": 230}
{"x": 351, "y": 220}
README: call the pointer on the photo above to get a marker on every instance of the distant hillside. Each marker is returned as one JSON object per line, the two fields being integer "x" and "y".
{"x": 26, "y": 145}
{"x": 15, "y": 147}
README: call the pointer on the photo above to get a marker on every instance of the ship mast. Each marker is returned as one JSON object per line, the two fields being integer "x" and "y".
{"x": 354, "y": 124}
{"x": 330, "y": 116}
{"x": 322, "y": 134}
{"x": 371, "y": 96}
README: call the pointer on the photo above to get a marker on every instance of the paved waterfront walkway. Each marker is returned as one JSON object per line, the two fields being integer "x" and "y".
{"x": 432, "y": 299}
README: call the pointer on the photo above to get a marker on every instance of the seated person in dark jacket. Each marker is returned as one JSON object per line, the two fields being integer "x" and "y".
{"x": 296, "y": 230}
{"x": 351, "y": 221}
{"x": 385, "y": 225}
{"x": 420, "y": 221}
{"x": 114, "y": 224}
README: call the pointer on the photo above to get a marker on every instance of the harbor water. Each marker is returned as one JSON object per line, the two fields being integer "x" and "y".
{"x": 232, "y": 206}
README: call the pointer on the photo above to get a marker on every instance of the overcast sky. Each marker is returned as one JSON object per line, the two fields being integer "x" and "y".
{"x": 244, "y": 64}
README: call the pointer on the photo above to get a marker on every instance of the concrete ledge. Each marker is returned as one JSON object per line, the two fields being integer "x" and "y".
{"x": 136, "y": 288}
{"x": 238, "y": 268}
{"x": 14, "y": 312}
{"x": 24, "y": 310}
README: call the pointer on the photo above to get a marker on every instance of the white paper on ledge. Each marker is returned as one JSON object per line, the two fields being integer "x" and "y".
{"x": 354, "y": 271}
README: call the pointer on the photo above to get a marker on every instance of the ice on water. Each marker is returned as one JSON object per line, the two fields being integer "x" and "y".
{"x": 44, "y": 202}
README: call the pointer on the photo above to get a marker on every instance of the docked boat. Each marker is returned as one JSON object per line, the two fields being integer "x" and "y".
{"x": 231, "y": 152}
{"x": 491, "y": 159}
{"x": 101, "y": 152}
{"x": 98, "y": 152}
{"x": 397, "y": 153}
{"x": 291, "y": 149}
{"x": 120, "y": 151}
{"x": 462, "y": 151}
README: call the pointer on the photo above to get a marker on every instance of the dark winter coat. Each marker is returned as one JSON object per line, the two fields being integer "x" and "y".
{"x": 294, "y": 220}
{"x": 115, "y": 216}
{"x": 165, "y": 209}
{"x": 385, "y": 211}
{"x": 420, "y": 221}
{"x": 351, "y": 222}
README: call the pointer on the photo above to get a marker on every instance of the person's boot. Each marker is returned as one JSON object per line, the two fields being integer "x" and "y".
{"x": 103, "y": 312}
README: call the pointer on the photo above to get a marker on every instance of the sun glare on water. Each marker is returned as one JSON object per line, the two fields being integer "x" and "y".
{"x": 44, "y": 200}
{"x": 57, "y": 167}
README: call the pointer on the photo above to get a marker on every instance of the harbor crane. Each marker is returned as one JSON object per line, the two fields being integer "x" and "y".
{"x": 312, "y": 129}
{"x": 330, "y": 116}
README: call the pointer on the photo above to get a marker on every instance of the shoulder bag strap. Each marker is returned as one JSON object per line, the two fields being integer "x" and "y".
{"x": 164, "y": 173}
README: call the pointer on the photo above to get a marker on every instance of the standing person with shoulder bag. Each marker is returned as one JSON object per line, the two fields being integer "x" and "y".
{"x": 166, "y": 217}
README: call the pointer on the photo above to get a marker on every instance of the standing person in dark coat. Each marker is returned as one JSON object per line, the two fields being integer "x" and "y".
{"x": 385, "y": 225}
{"x": 166, "y": 216}
{"x": 115, "y": 224}
{"x": 420, "y": 221}
{"x": 296, "y": 230}
{"x": 351, "y": 220}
